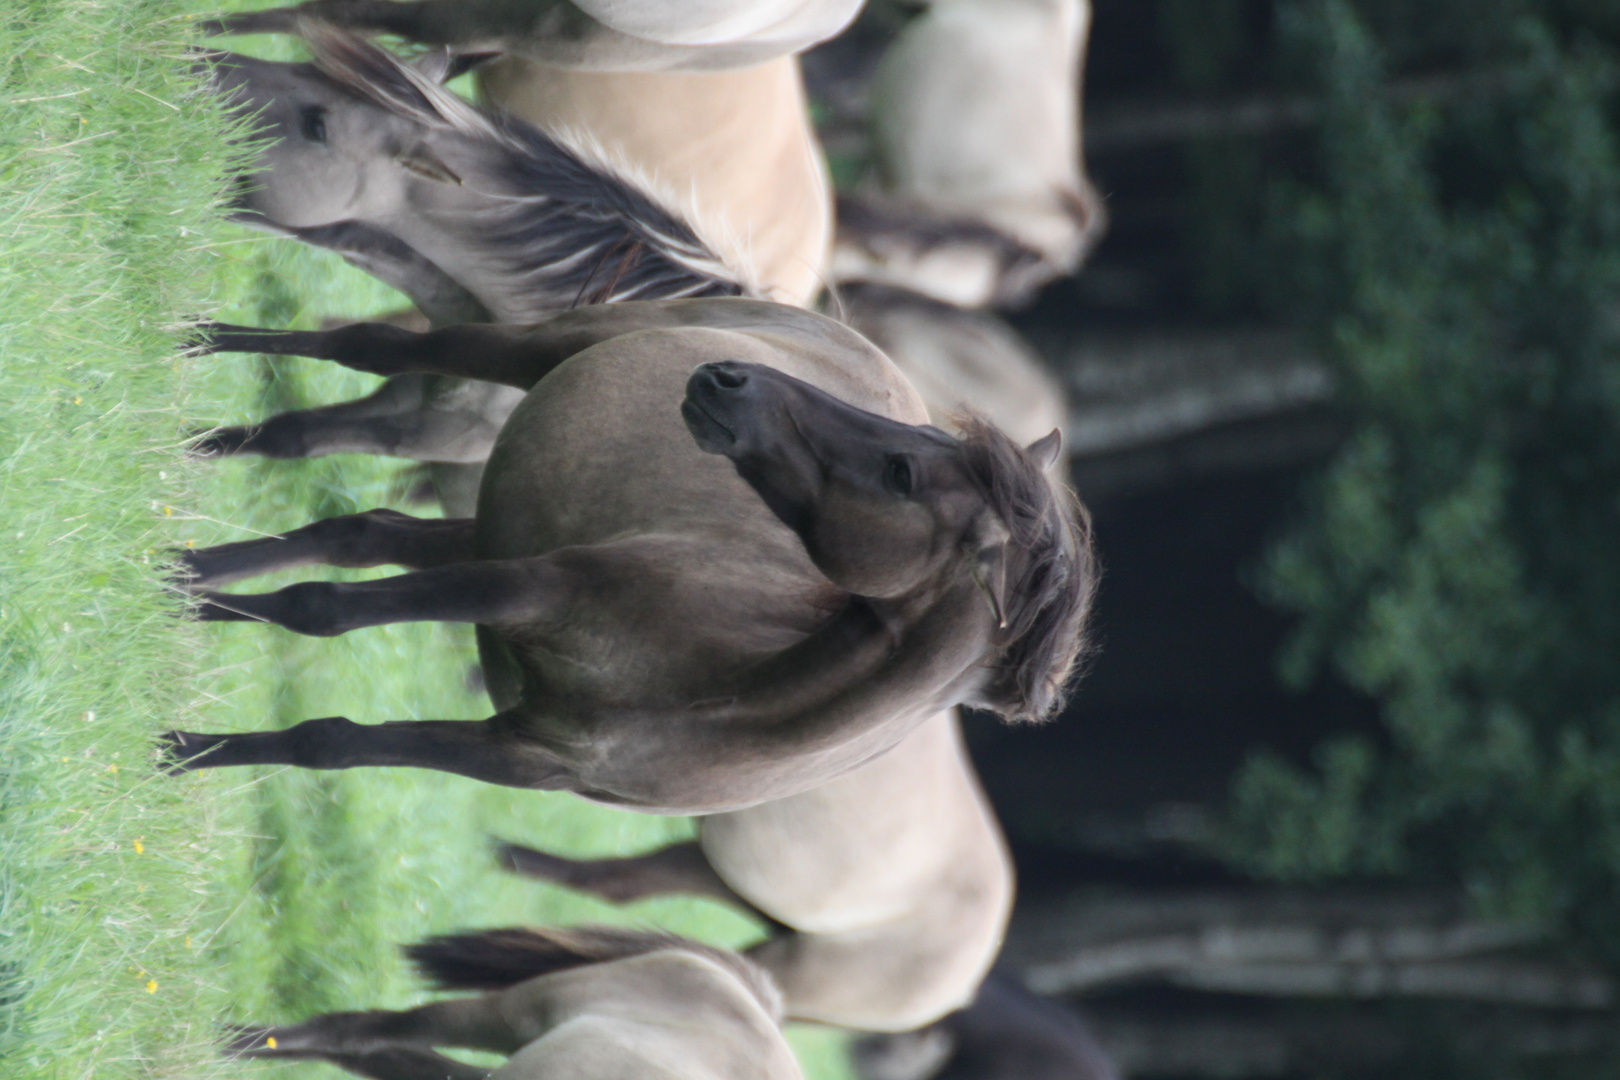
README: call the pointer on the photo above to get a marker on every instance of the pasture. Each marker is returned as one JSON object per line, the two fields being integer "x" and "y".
{"x": 139, "y": 912}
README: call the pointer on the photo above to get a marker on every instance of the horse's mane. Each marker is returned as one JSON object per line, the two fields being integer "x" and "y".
{"x": 570, "y": 226}
{"x": 1052, "y": 574}
{"x": 496, "y": 959}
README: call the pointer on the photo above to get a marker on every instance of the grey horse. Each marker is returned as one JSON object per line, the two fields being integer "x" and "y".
{"x": 705, "y": 588}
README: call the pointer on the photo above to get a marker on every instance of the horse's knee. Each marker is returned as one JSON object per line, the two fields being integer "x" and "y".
{"x": 312, "y": 608}
{"x": 353, "y": 539}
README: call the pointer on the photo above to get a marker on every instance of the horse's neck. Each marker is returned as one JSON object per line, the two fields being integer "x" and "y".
{"x": 734, "y": 149}
{"x": 858, "y": 685}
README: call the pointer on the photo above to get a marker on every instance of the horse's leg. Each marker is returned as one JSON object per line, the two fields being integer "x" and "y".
{"x": 508, "y": 592}
{"x": 399, "y": 420}
{"x": 469, "y": 350}
{"x": 679, "y": 868}
{"x": 368, "y": 425}
{"x": 488, "y": 750}
{"x": 398, "y": 1063}
{"x": 388, "y": 259}
{"x": 473, "y": 1023}
{"x": 374, "y": 538}
{"x": 517, "y": 356}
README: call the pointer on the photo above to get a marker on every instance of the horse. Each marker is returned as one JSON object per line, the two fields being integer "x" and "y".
{"x": 977, "y": 195}
{"x": 339, "y": 175}
{"x": 876, "y": 570}
{"x": 589, "y": 1002}
{"x": 591, "y": 35}
{"x": 889, "y": 888}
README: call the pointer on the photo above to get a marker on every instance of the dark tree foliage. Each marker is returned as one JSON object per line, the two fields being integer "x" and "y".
{"x": 1459, "y": 560}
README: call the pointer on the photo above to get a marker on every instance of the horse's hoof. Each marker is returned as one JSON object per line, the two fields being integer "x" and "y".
{"x": 184, "y": 576}
{"x": 183, "y": 751}
{"x": 249, "y": 1040}
{"x": 200, "y": 338}
{"x": 216, "y": 607}
{"x": 515, "y": 857}
{"x": 217, "y": 442}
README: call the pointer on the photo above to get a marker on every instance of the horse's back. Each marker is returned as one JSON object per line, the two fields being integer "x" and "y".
{"x": 734, "y": 150}
{"x": 598, "y": 450}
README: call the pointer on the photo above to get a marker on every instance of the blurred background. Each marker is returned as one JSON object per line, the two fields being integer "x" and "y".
{"x": 1340, "y": 794}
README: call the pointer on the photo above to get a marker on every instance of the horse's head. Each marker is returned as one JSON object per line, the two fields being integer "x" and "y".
{"x": 342, "y": 136}
{"x": 908, "y": 514}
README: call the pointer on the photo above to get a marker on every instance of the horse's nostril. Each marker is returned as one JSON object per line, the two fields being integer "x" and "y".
{"x": 727, "y": 379}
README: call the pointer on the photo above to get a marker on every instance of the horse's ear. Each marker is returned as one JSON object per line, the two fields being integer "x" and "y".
{"x": 990, "y": 564}
{"x": 1047, "y": 449}
{"x": 442, "y": 65}
{"x": 421, "y": 160}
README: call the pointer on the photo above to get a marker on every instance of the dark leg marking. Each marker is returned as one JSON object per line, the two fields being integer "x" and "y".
{"x": 513, "y": 592}
{"x": 374, "y": 538}
{"x": 482, "y": 749}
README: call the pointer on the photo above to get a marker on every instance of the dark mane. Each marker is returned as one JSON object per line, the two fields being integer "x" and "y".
{"x": 1052, "y": 575}
{"x": 565, "y": 230}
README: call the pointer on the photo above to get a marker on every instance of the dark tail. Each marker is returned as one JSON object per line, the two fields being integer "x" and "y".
{"x": 496, "y": 959}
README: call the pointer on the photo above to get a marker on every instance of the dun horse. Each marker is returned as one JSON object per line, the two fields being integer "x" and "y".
{"x": 347, "y": 170}
{"x": 598, "y": 35}
{"x": 978, "y": 195}
{"x": 687, "y": 633}
{"x": 890, "y": 887}
{"x": 587, "y": 1003}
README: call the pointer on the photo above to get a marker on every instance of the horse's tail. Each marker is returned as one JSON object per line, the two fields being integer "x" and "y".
{"x": 496, "y": 959}
{"x": 571, "y": 225}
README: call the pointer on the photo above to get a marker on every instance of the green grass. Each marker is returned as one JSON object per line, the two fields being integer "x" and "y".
{"x": 137, "y": 912}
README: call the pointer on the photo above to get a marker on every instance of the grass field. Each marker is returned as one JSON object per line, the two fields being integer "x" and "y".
{"x": 138, "y": 912}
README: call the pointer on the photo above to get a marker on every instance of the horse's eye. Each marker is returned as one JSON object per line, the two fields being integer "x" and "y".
{"x": 897, "y": 475}
{"x": 314, "y": 118}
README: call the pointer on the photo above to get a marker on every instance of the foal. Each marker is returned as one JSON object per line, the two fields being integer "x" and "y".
{"x": 685, "y": 635}
{"x": 580, "y": 1004}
